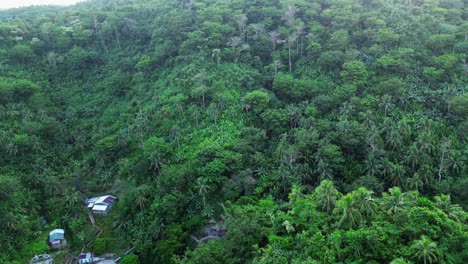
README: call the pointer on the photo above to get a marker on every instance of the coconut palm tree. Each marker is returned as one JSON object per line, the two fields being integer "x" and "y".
{"x": 367, "y": 118}
{"x": 394, "y": 201}
{"x": 347, "y": 211}
{"x": 394, "y": 139}
{"x": 425, "y": 143}
{"x": 141, "y": 200}
{"x": 398, "y": 175}
{"x": 324, "y": 171}
{"x": 425, "y": 249}
{"x": 202, "y": 187}
{"x": 453, "y": 211}
{"x": 71, "y": 198}
{"x": 326, "y": 196}
{"x": 387, "y": 167}
{"x": 400, "y": 261}
{"x": 364, "y": 202}
{"x": 456, "y": 161}
{"x": 414, "y": 183}
{"x": 386, "y": 104}
{"x": 373, "y": 165}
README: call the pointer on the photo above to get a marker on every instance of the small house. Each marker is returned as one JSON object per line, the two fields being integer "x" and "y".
{"x": 86, "y": 258}
{"x": 42, "y": 259}
{"x": 100, "y": 205}
{"x": 57, "y": 238}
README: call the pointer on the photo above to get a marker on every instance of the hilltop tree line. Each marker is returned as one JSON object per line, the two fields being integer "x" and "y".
{"x": 318, "y": 131}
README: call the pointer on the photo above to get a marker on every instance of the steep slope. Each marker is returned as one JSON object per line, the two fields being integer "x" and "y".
{"x": 197, "y": 110}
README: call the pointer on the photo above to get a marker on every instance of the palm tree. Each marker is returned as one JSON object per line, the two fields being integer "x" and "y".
{"x": 426, "y": 249}
{"x": 373, "y": 165}
{"x": 398, "y": 175}
{"x": 456, "y": 161}
{"x": 414, "y": 183}
{"x": 294, "y": 114}
{"x": 414, "y": 156}
{"x": 245, "y": 105}
{"x": 207, "y": 211}
{"x": 346, "y": 110}
{"x": 71, "y": 198}
{"x": 400, "y": 261}
{"x": 326, "y": 196}
{"x": 346, "y": 207}
{"x": 13, "y": 221}
{"x": 425, "y": 143}
{"x": 394, "y": 139}
{"x": 453, "y": 211}
{"x": 387, "y": 167}
{"x": 404, "y": 128}
{"x": 156, "y": 161}
{"x": 12, "y": 149}
{"x": 367, "y": 118}
{"x": 394, "y": 201}
{"x": 324, "y": 171}
{"x": 202, "y": 187}
{"x": 427, "y": 172}
{"x": 141, "y": 200}
{"x": 364, "y": 202}
{"x": 386, "y": 104}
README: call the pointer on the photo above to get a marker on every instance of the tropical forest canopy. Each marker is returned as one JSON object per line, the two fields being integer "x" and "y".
{"x": 317, "y": 131}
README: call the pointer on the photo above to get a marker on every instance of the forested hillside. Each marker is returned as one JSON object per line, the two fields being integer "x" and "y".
{"x": 317, "y": 131}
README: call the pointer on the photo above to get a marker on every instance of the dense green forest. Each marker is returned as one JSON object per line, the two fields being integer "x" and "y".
{"x": 317, "y": 131}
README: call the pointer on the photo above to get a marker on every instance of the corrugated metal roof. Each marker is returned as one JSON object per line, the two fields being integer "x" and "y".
{"x": 56, "y": 234}
{"x": 100, "y": 207}
{"x": 60, "y": 231}
{"x": 108, "y": 199}
{"x": 105, "y": 199}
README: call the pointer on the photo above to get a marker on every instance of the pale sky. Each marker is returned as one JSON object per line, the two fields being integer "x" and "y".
{"x": 19, "y": 3}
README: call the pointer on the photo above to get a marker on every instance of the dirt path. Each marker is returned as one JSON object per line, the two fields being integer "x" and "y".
{"x": 98, "y": 233}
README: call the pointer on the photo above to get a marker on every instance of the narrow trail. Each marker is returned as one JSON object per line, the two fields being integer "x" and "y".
{"x": 98, "y": 234}
{"x": 69, "y": 259}
{"x": 124, "y": 254}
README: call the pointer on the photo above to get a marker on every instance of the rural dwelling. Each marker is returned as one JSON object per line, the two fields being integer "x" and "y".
{"x": 100, "y": 205}
{"x": 86, "y": 258}
{"x": 42, "y": 259}
{"x": 57, "y": 238}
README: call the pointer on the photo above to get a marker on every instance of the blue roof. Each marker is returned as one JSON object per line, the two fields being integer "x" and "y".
{"x": 57, "y": 234}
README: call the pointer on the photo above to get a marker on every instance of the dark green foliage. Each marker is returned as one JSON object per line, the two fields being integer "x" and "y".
{"x": 130, "y": 259}
{"x": 318, "y": 131}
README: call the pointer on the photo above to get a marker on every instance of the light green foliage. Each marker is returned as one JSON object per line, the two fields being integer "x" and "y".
{"x": 14, "y": 90}
{"x": 286, "y": 121}
{"x": 354, "y": 71}
{"x": 144, "y": 64}
{"x": 21, "y": 53}
{"x": 459, "y": 105}
{"x": 130, "y": 259}
{"x": 326, "y": 196}
{"x": 425, "y": 249}
{"x": 256, "y": 100}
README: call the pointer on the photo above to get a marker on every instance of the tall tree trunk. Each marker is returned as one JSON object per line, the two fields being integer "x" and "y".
{"x": 117, "y": 38}
{"x": 441, "y": 166}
